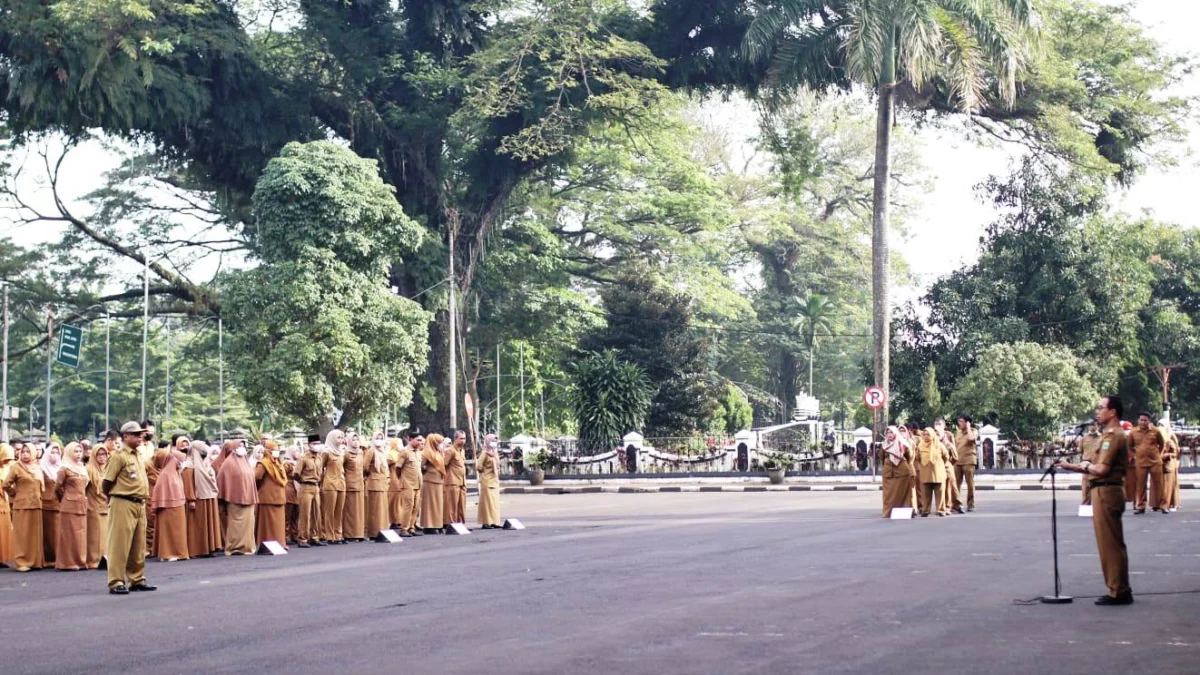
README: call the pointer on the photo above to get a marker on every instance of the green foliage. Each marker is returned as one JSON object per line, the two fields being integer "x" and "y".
{"x": 321, "y": 195}
{"x": 932, "y": 404}
{"x": 650, "y": 325}
{"x": 1029, "y": 390}
{"x": 735, "y": 413}
{"x": 315, "y": 327}
{"x": 610, "y": 398}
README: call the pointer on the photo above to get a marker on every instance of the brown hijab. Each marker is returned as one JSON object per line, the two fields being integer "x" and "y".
{"x": 273, "y": 466}
{"x": 433, "y": 453}
{"x": 235, "y": 478}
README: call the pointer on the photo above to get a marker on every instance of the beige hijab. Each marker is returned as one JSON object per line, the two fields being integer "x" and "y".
{"x": 69, "y": 463}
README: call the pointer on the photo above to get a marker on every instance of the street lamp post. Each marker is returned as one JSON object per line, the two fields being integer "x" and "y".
{"x": 49, "y": 362}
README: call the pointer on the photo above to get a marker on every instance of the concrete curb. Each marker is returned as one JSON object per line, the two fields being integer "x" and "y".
{"x": 637, "y": 489}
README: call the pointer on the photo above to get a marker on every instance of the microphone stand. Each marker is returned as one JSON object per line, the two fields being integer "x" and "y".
{"x": 1058, "y": 598}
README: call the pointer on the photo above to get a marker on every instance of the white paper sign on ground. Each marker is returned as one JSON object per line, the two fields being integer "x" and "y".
{"x": 513, "y": 524}
{"x": 459, "y": 528}
{"x": 901, "y": 513}
{"x": 390, "y": 536}
{"x": 272, "y": 547}
{"x": 1085, "y": 510}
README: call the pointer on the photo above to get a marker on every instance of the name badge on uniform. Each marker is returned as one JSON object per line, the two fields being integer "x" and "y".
{"x": 1104, "y": 445}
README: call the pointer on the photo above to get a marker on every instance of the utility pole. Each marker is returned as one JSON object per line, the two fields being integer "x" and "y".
{"x": 497, "y": 391}
{"x": 49, "y": 363}
{"x": 107, "y": 366}
{"x": 221, "y": 371}
{"x": 521, "y": 360}
{"x": 453, "y": 326}
{"x": 1164, "y": 378}
{"x": 145, "y": 324}
{"x": 168, "y": 415}
{"x": 4, "y": 382}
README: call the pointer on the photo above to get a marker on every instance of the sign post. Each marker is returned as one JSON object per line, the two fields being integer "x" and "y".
{"x": 874, "y": 396}
{"x": 70, "y": 345}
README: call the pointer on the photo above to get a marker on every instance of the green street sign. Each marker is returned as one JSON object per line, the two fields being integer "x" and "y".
{"x": 70, "y": 345}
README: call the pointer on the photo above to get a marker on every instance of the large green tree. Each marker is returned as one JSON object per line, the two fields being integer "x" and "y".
{"x": 1029, "y": 390}
{"x": 968, "y": 47}
{"x": 315, "y": 327}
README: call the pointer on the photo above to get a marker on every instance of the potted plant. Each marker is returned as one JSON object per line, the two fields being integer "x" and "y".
{"x": 536, "y": 464}
{"x": 776, "y": 467}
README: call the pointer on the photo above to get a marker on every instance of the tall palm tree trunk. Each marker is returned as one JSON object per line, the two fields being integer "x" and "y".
{"x": 880, "y": 226}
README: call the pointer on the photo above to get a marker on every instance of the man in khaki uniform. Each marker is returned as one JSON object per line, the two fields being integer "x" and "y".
{"x": 409, "y": 467}
{"x": 308, "y": 474}
{"x": 950, "y": 496}
{"x": 1089, "y": 449}
{"x": 454, "y": 506}
{"x": 128, "y": 490}
{"x": 964, "y": 443}
{"x": 1148, "y": 453}
{"x": 1107, "y": 475}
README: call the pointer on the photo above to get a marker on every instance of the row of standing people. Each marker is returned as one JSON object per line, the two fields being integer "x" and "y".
{"x": 54, "y": 511}
{"x": 1153, "y": 476}
{"x": 926, "y": 469}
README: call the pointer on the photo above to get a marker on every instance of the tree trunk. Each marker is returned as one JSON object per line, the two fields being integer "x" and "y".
{"x": 788, "y": 371}
{"x": 812, "y": 355}
{"x": 880, "y": 227}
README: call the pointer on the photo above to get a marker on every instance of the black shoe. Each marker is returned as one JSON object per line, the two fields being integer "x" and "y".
{"x": 142, "y": 586}
{"x": 924, "y": 515}
{"x": 959, "y": 511}
{"x": 318, "y": 543}
{"x": 303, "y": 545}
{"x": 416, "y": 533}
{"x": 1138, "y": 512}
{"x": 1122, "y": 600}
{"x": 119, "y": 589}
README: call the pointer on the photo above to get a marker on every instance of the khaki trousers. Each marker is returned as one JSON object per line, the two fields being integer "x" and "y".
{"x": 966, "y": 471}
{"x": 310, "y": 515}
{"x": 409, "y": 501}
{"x": 950, "y": 489}
{"x": 933, "y": 497}
{"x": 126, "y": 542}
{"x": 1108, "y": 504}
{"x": 1086, "y": 489}
{"x": 333, "y": 506}
{"x": 1157, "y": 496}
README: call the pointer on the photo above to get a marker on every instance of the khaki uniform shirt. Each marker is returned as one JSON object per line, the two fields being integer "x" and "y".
{"x": 1089, "y": 447}
{"x": 964, "y": 443}
{"x": 127, "y": 472}
{"x": 456, "y": 467}
{"x": 1114, "y": 451}
{"x": 1147, "y": 446}
{"x": 308, "y": 469}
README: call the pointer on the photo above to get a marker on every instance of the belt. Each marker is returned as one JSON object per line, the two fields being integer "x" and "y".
{"x": 1105, "y": 483}
{"x": 130, "y": 498}
{"x": 314, "y": 484}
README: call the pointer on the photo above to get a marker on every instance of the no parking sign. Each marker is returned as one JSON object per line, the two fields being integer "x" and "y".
{"x": 874, "y": 397}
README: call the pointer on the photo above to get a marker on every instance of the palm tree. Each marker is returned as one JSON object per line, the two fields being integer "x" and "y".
{"x": 815, "y": 311}
{"x": 966, "y": 47}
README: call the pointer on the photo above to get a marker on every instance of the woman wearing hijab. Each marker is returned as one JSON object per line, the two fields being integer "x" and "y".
{"x": 333, "y": 488}
{"x": 378, "y": 484}
{"x": 488, "y": 468}
{"x": 271, "y": 477}
{"x": 71, "y": 548}
{"x": 97, "y": 506}
{"x": 51, "y": 460}
{"x": 238, "y": 495}
{"x": 433, "y": 477}
{"x": 203, "y": 514}
{"x": 1170, "y": 466}
{"x": 24, "y": 486}
{"x": 897, "y": 472}
{"x": 932, "y": 471}
{"x": 6, "y": 527}
{"x": 168, "y": 500}
{"x": 353, "y": 523}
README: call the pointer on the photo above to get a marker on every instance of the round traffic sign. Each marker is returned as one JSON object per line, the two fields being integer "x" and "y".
{"x": 874, "y": 397}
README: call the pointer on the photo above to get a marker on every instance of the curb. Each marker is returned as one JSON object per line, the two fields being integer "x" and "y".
{"x": 628, "y": 489}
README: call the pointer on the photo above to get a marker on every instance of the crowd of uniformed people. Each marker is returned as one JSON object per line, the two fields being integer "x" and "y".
{"x": 81, "y": 507}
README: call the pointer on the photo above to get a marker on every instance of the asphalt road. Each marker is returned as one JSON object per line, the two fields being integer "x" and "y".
{"x": 645, "y": 583}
